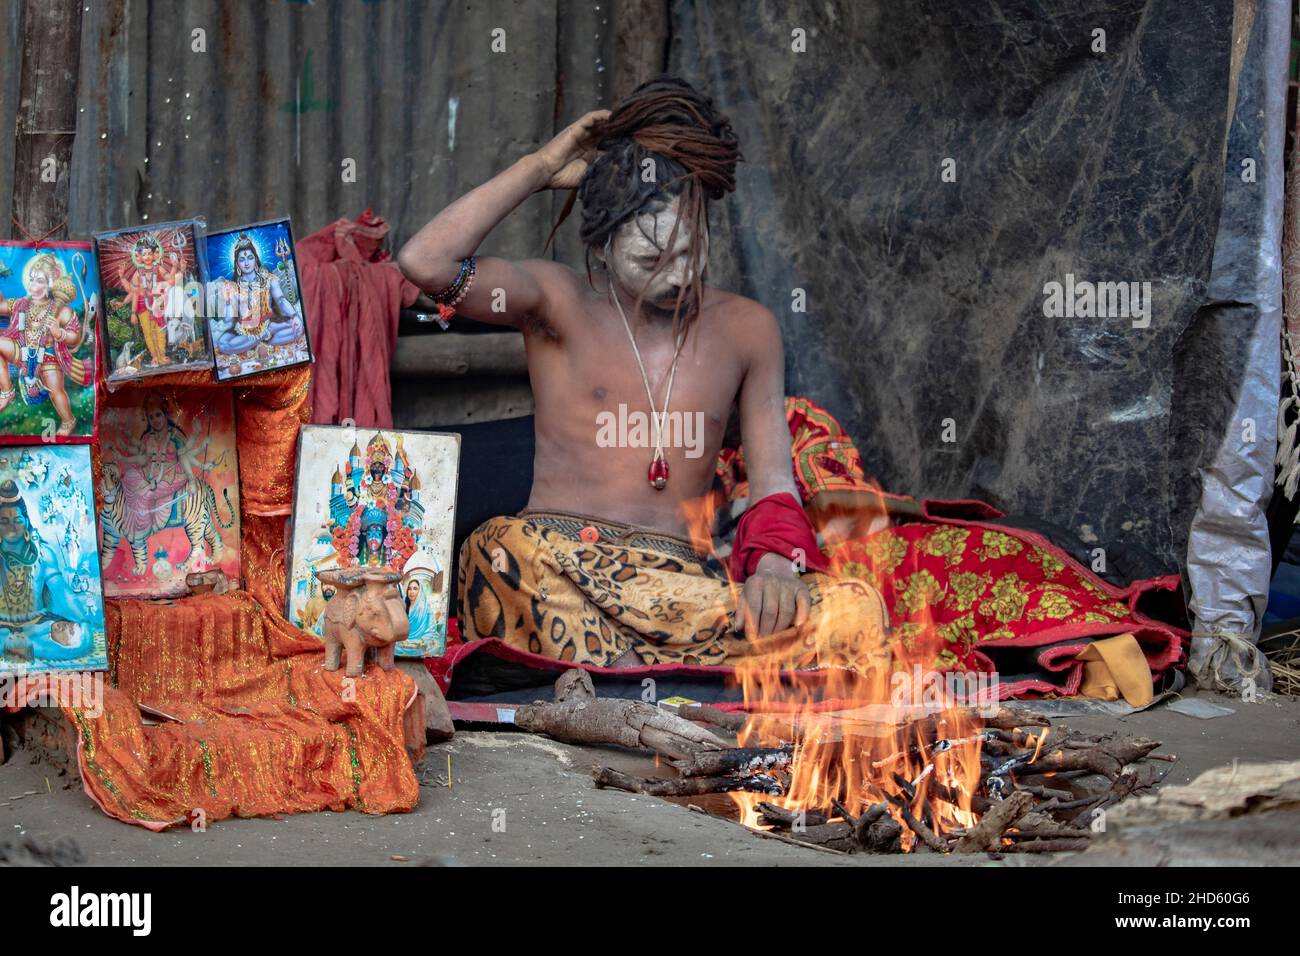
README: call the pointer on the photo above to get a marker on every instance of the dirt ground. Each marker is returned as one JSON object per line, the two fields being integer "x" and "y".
{"x": 539, "y": 794}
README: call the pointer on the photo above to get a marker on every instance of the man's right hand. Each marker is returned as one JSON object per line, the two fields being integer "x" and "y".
{"x": 565, "y": 158}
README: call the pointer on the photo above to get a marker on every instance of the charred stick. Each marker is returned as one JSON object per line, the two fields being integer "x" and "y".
{"x": 704, "y": 714}
{"x": 905, "y": 785}
{"x": 1093, "y": 761}
{"x": 987, "y": 834}
{"x": 836, "y": 836}
{"x": 844, "y": 812}
{"x": 1017, "y": 738}
{"x": 923, "y": 833}
{"x": 873, "y": 813}
{"x": 1004, "y": 718}
{"x": 1130, "y": 749}
{"x": 942, "y": 745}
{"x": 927, "y": 818}
{"x": 1124, "y": 785}
{"x": 1107, "y": 758}
{"x": 782, "y": 817}
{"x": 1010, "y": 718}
{"x": 936, "y": 726}
{"x": 1045, "y": 793}
{"x": 978, "y": 802}
{"x": 684, "y": 786}
{"x": 1002, "y": 748}
{"x": 876, "y": 831}
{"x": 1090, "y": 808}
{"x": 735, "y": 760}
{"x": 842, "y": 835}
{"x": 1071, "y": 804}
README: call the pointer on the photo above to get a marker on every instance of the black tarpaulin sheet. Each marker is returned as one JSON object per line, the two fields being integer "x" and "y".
{"x": 1085, "y": 143}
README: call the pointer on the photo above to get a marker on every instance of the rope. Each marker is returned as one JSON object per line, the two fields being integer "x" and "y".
{"x": 35, "y": 240}
{"x": 1230, "y": 664}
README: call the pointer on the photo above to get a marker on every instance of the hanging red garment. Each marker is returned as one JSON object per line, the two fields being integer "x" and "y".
{"x": 355, "y": 294}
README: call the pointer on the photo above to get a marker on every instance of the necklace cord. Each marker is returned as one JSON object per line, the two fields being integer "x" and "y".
{"x": 657, "y": 418}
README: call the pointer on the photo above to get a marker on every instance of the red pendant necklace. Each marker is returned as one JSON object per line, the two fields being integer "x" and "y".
{"x": 658, "y": 473}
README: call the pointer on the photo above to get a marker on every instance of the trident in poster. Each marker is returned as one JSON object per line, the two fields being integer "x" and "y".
{"x": 79, "y": 276}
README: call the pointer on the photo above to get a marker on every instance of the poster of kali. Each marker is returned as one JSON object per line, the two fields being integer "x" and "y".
{"x": 255, "y": 312}
{"x": 380, "y": 499}
{"x": 153, "y": 279}
{"x": 49, "y": 310}
{"x": 169, "y": 490}
{"x": 51, "y": 600}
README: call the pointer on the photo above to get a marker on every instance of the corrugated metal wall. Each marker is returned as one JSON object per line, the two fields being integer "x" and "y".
{"x": 11, "y": 16}
{"x": 260, "y": 122}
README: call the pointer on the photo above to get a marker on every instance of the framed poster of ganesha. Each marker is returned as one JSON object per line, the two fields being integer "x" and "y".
{"x": 381, "y": 499}
{"x": 153, "y": 282}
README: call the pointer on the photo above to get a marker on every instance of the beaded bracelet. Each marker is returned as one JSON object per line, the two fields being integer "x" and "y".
{"x": 464, "y": 289}
{"x": 453, "y": 293}
{"x": 447, "y": 299}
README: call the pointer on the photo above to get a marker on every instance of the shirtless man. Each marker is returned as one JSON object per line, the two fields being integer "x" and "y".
{"x": 600, "y": 574}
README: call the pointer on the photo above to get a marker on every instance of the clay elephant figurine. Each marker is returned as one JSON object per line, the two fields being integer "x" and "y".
{"x": 365, "y": 612}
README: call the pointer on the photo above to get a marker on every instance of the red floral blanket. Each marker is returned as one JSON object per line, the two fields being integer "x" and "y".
{"x": 1003, "y": 600}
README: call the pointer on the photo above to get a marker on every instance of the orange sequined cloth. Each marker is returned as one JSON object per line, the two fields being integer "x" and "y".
{"x": 249, "y": 723}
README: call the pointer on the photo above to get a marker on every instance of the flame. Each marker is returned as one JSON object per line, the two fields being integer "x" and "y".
{"x": 1038, "y": 744}
{"x": 862, "y": 729}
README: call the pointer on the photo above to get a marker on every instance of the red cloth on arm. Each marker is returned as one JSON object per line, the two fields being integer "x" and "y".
{"x": 353, "y": 295}
{"x": 775, "y": 524}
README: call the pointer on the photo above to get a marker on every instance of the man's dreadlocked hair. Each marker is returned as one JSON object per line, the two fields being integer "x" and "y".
{"x": 694, "y": 151}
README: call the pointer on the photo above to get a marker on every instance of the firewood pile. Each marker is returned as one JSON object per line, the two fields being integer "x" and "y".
{"x": 1041, "y": 789}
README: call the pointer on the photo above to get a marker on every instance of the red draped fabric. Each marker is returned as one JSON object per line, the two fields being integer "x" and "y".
{"x": 354, "y": 295}
{"x": 216, "y": 705}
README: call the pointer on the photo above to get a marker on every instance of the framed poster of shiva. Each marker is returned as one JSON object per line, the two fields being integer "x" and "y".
{"x": 51, "y": 599}
{"x": 380, "y": 499}
{"x": 49, "y": 313}
{"x": 255, "y": 312}
{"x": 154, "y": 288}
{"x": 169, "y": 491}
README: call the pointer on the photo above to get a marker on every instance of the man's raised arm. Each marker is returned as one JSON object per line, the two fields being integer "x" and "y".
{"x": 432, "y": 258}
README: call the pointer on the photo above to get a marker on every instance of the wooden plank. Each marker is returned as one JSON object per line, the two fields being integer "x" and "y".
{"x": 640, "y": 43}
{"x": 47, "y": 116}
{"x": 423, "y": 403}
{"x": 453, "y": 355}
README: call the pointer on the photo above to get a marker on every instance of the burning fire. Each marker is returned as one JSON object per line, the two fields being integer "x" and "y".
{"x": 868, "y": 717}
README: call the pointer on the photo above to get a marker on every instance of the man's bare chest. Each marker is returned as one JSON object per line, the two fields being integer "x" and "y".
{"x": 702, "y": 383}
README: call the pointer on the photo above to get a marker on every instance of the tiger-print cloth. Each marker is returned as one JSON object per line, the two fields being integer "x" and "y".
{"x": 587, "y": 590}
